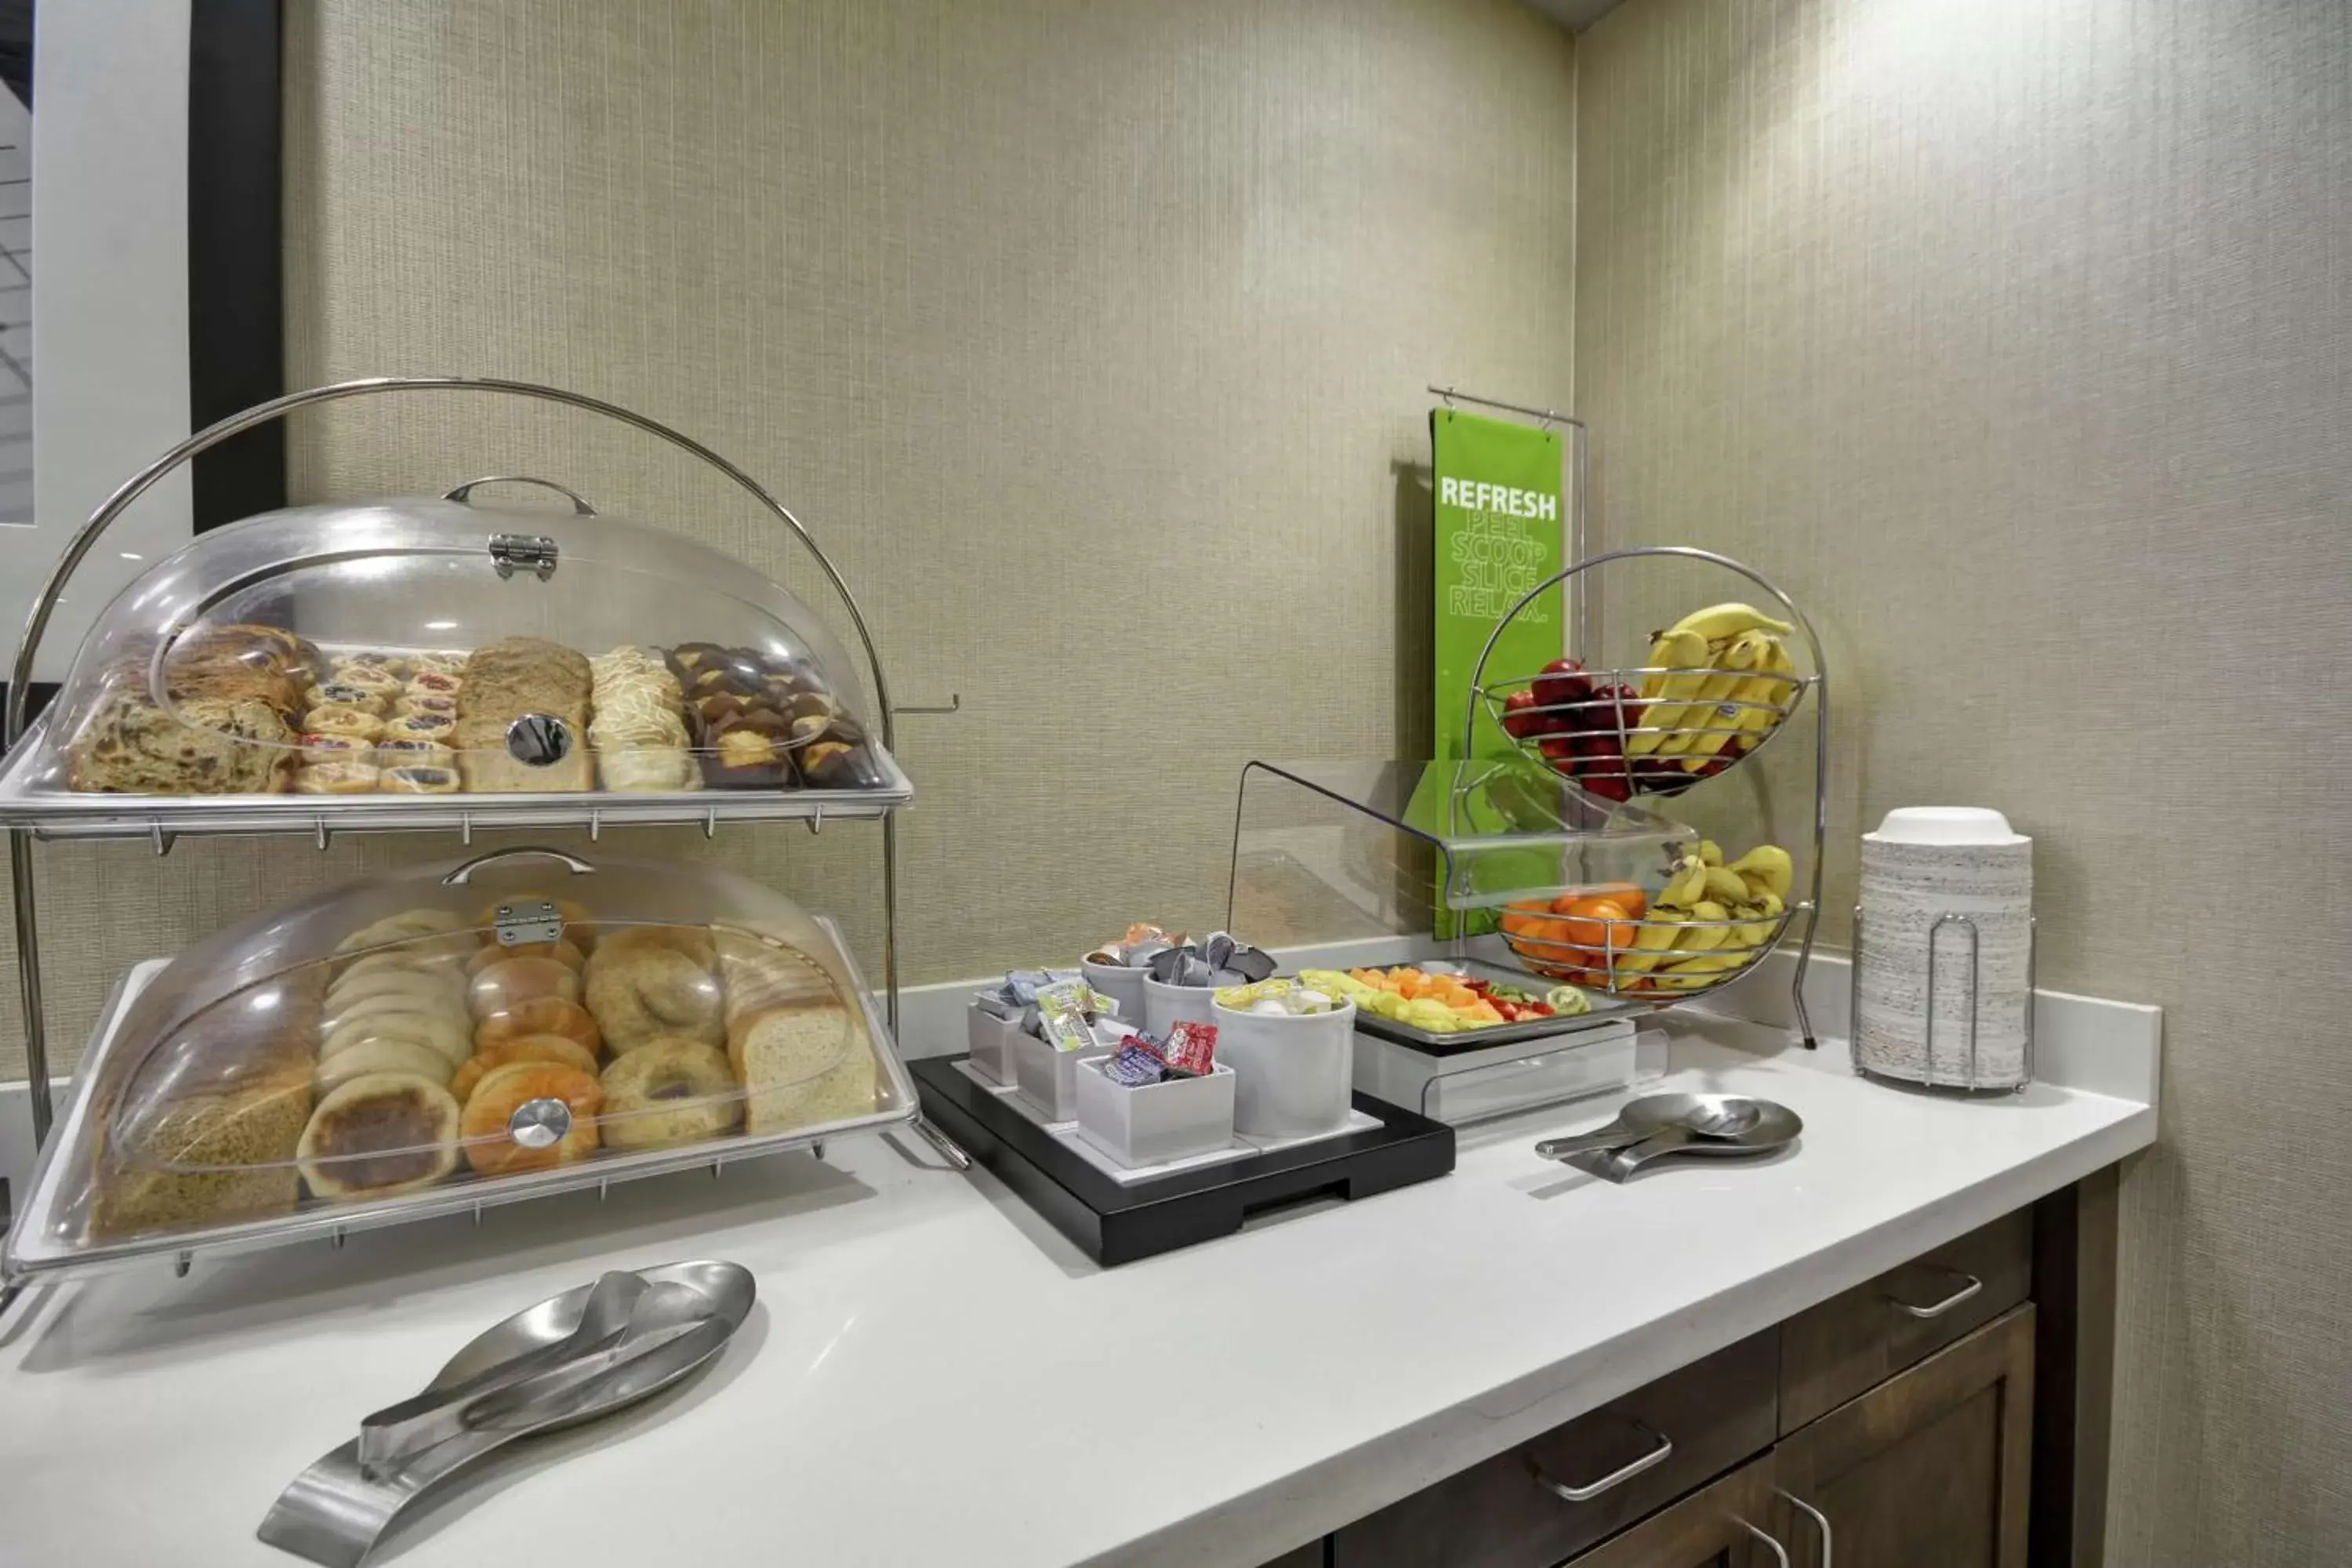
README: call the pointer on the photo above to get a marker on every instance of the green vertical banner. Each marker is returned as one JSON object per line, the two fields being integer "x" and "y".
{"x": 1498, "y": 535}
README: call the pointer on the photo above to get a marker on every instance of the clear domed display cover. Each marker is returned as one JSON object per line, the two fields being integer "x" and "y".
{"x": 519, "y": 1024}
{"x": 400, "y": 662}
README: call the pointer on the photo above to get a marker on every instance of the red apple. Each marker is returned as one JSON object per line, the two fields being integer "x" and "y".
{"x": 1561, "y": 682}
{"x": 1519, "y": 721}
{"x": 1602, "y": 713}
{"x": 1559, "y": 751}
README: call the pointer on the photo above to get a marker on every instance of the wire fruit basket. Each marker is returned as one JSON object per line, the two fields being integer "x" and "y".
{"x": 1718, "y": 685}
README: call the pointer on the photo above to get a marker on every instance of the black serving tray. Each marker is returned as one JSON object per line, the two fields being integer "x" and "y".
{"x": 1114, "y": 1222}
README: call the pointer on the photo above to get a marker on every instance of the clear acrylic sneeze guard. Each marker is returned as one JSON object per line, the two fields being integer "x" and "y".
{"x": 1378, "y": 864}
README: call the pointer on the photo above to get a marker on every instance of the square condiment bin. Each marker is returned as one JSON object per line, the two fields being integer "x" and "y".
{"x": 1159, "y": 1121}
{"x": 1047, "y": 1079}
{"x": 992, "y": 1040}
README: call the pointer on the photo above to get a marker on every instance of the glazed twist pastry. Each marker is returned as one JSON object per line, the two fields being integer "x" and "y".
{"x": 639, "y": 730}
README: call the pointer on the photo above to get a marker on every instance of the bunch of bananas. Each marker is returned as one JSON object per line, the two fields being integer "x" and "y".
{"x": 1721, "y": 676}
{"x": 1688, "y": 942}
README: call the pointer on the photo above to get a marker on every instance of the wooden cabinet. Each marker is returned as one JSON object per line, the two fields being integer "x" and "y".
{"x": 1719, "y": 1526}
{"x": 1858, "y": 1338}
{"x": 1927, "y": 1470}
{"x": 1531, "y": 1505}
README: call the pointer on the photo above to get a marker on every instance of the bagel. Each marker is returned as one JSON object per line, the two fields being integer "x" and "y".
{"x": 379, "y": 1135}
{"x": 503, "y": 985}
{"x": 427, "y": 931}
{"x": 436, "y": 983}
{"x": 520, "y": 1048}
{"x": 563, "y": 952}
{"x": 490, "y": 1148}
{"x": 647, "y": 982}
{"x": 540, "y": 1016}
{"x": 669, "y": 1091}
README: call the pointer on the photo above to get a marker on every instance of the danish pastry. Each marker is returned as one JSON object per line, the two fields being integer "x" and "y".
{"x": 337, "y": 778}
{"x": 419, "y": 727}
{"x": 379, "y": 1135}
{"x": 318, "y": 748}
{"x": 409, "y": 752}
{"x": 366, "y": 696}
{"x": 669, "y": 1091}
{"x": 346, "y": 718}
{"x": 491, "y": 1148}
{"x": 420, "y": 780}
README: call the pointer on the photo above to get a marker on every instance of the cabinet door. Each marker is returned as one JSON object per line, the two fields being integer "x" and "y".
{"x": 1723, "y": 1525}
{"x": 1927, "y": 1470}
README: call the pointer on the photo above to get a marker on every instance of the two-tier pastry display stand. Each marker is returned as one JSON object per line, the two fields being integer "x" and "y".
{"x": 32, "y": 813}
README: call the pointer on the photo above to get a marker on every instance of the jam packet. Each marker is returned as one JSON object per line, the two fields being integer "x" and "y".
{"x": 1137, "y": 1065}
{"x": 1192, "y": 1049}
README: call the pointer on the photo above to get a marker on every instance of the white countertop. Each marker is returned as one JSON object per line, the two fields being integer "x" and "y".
{"x": 934, "y": 1375}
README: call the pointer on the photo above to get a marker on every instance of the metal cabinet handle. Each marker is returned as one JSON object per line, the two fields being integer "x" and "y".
{"x": 1780, "y": 1553}
{"x": 463, "y": 494}
{"x": 1821, "y": 1520}
{"x": 465, "y": 873}
{"x": 1947, "y": 1303}
{"x": 1650, "y": 1460}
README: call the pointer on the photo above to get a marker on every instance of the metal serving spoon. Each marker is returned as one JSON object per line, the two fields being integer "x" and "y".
{"x": 1703, "y": 1115}
{"x": 1775, "y": 1126}
{"x": 676, "y": 1318}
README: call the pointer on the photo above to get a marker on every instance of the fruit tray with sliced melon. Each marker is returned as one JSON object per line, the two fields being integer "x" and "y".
{"x": 1447, "y": 1005}
{"x": 1719, "y": 684}
{"x": 1706, "y": 925}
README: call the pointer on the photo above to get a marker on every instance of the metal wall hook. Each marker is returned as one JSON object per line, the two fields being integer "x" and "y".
{"x": 954, "y": 705}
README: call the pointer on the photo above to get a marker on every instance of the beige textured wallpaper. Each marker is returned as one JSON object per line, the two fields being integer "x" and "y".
{"x": 1089, "y": 335}
{"x": 2016, "y": 339}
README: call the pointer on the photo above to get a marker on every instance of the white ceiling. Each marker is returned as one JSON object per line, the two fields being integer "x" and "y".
{"x": 1575, "y": 15}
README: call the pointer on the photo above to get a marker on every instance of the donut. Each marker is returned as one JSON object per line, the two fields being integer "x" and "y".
{"x": 499, "y": 986}
{"x": 336, "y": 778}
{"x": 420, "y": 780}
{"x": 645, "y": 982}
{"x": 563, "y": 952}
{"x": 434, "y": 1029}
{"x": 579, "y": 925}
{"x": 483, "y": 1123}
{"x": 669, "y": 1091}
{"x": 380, "y": 1056}
{"x": 346, "y": 718}
{"x": 520, "y": 1048}
{"x": 539, "y": 1015}
{"x": 380, "y": 1133}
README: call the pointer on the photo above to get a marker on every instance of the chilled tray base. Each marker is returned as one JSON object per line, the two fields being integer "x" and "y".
{"x": 1114, "y": 1222}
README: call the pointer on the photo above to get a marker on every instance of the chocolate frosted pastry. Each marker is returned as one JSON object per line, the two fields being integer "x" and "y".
{"x": 750, "y": 749}
{"x": 838, "y": 764}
